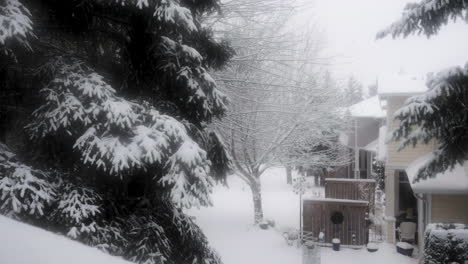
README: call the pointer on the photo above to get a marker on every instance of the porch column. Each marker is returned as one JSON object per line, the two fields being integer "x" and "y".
{"x": 356, "y": 151}
{"x": 421, "y": 224}
{"x": 390, "y": 204}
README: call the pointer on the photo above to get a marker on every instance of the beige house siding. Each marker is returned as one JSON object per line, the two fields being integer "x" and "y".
{"x": 442, "y": 208}
{"x": 450, "y": 209}
{"x": 404, "y": 157}
{"x": 396, "y": 160}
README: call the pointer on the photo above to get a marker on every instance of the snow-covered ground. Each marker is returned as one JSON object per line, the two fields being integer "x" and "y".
{"x": 228, "y": 226}
{"x": 24, "y": 244}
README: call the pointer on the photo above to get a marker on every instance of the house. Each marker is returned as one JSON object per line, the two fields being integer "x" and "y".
{"x": 443, "y": 199}
{"x": 366, "y": 119}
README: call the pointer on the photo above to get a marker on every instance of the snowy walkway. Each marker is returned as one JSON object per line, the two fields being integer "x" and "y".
{"x": 228, "y": 225}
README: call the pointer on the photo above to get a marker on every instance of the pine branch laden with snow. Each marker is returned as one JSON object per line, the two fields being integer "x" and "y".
{"x": 149, "y": 243}
{"x": 15, "y": 23}
{"x": 110, "y": 237}
{"x": 163, "y": 234}
{"x": 438, "y": 115}
{"x": 187, "y": 175}
{"x": 169, "y": 12}
{"x": 186, "y": 65}
{"x": 77, "y": 209}
{"x": 117, "y": 136}
{"x": 23, "y": 190}
{"x": 194, "y": 239}
{"x": 426, "y": 17}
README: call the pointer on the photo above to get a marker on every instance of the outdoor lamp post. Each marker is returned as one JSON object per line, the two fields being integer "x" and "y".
{"x": 299, "y": 188}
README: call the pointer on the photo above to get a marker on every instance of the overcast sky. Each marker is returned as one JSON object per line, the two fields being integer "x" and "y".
{"x": 350, "y": 27}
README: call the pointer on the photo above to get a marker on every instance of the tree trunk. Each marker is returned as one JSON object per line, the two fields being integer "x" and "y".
{"x": 288, "y": 175}
{"x": 324, "y": 175}
{"x": 257, "y": 201}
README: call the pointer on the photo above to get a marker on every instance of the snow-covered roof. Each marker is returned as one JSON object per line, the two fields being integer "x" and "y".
{"x": 22, "y": 244}
{"x": 372, "y": 147}
{"x": 453, "y": 181}
{"x": 400, "y": 85}
{"x": 369, "y": 107}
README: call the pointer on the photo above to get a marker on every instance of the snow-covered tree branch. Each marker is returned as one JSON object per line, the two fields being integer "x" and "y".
{"x": 439, "y": 115}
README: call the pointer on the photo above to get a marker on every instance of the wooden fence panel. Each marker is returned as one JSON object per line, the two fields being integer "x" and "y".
{"x": 351, "y": 189}
{"x": 352, "y": 230}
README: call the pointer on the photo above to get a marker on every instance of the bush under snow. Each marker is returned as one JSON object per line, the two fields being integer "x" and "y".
{"x": 446, "y": 243}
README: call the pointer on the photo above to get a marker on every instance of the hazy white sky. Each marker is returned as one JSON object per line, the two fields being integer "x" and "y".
{"x": 350, "y": 27}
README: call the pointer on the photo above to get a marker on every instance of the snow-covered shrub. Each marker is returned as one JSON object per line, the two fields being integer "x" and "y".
{"x": 446, "y": 243}
{"x": 23, "y": 189}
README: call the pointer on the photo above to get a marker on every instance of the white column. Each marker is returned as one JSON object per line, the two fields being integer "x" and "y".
{"x": 356, "y": 150}
{"x": 390, "y": 204}
{"x": 421, "y": 222}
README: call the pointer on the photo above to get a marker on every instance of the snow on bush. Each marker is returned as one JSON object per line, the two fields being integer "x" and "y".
{"x": 446, "y": 243}
{"x": 117, "y": 135}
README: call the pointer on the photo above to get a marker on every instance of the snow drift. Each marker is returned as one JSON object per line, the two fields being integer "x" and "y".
{"x": 24, "y": 244}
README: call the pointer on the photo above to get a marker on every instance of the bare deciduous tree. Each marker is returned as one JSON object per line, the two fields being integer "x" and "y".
{"x": 277, "y": 89}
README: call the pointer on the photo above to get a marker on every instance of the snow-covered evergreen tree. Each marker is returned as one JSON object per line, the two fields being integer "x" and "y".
{"x": 373, "y": 89}
{"x": 125, "y": 99}
{"x": 440, "y": 113}
{"x": 353, "y": 91}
